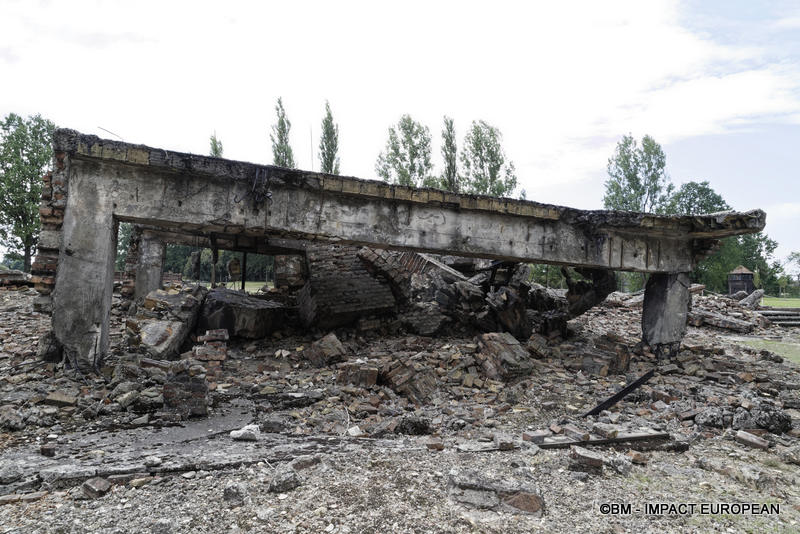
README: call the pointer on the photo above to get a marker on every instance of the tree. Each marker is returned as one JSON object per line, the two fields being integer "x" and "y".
{"x": 215, "y": 148}
{"x": 637, "y": 180}
{"x": 407, "y": 157}
{"x": 123, "y": 243}
{"x": 484, "y": 162}
{"x": 695, "y": 198}
{"x": 329, "y": 143}
{"x": 794, "y": 258}
{"x": 281, "y": 151}
{"x": 26, "y": 154}
{"x": 449, "y": 181}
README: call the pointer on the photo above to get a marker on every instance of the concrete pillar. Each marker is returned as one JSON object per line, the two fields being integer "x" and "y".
{"x": 244, "y": 269}
{"x": 666, "y": 307}
{"x": 85, "y": 277}
{"x": 149, "y": 266}
{"x": 214, "y": 259}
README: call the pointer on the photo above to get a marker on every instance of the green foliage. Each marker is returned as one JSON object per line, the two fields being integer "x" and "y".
{"x": 695, "y": 198}
{"x": 215, "y": 146}
{"x": 449, "y": 180}
{"x": 484, "y": 162}
{"x": 637, "y": 180}
{"x": 12, "y": 260}
{"x": 794, "y": 259}
{"x": 407, "y": 157}
{"x": 282, "y": 155}
{"x": 178, "y": 259}
{"x": 754, "y": 251}
{"x": 123, "y": 242}
{"x": 329, "y": 143}
{"x": 548, "y": 275}
{"x": 26, "y": 155}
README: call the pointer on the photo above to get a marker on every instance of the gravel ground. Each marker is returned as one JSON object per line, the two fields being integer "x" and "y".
{"x": 365, "y": 485}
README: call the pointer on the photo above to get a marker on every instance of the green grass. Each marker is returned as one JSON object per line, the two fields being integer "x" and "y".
{"x": 789, "y": 351}
{"x": 776, "y": 302}
{"x": 249, "y": 286}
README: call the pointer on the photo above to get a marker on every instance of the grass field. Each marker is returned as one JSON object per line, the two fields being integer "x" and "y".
{"x": 776, "y": 302}
{"x": 249, "y": 286}
{"x": 790, "y": 351}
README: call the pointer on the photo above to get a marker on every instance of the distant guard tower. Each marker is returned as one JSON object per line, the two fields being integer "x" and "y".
{"x": 740, "y": 279}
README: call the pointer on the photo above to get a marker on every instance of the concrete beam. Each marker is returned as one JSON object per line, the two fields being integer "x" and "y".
{"x": 238, "y": 243}
{"x": 204, "y": 195}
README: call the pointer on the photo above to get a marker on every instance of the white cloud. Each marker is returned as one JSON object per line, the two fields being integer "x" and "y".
{"x": 563, "y": 81}
{"x": 788, "y": 23}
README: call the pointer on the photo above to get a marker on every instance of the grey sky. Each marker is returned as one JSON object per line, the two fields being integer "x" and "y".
{"x": 717, "y": 84}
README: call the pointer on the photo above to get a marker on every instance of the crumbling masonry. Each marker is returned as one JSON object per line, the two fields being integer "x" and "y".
{"x": 206, "y": 201}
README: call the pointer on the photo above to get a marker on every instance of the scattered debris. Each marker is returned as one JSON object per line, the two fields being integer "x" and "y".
{"x": 474, "y": 490}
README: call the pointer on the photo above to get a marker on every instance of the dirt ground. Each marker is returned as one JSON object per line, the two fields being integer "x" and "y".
{"x": 338, "y": 457}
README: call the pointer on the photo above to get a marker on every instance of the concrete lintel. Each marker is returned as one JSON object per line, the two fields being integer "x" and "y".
{"x": 159, "y": 187}
{"x": 237, "y": 243}
{"x": 150, "y": 196}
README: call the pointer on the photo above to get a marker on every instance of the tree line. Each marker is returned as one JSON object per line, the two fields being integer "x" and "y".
{"x": 481, "y": 167}
{"x": 637, "y": 181}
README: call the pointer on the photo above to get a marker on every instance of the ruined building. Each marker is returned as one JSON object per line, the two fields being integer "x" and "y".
{"x": 388, "y": 229}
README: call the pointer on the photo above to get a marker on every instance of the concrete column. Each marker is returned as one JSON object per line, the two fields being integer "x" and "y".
{"x": 214, "y": 259}
{"x": 149, "y": 266}
{"x": 85, "y": 277}
{"x": 666, "y": 307}
{"x": 244, "y": 269}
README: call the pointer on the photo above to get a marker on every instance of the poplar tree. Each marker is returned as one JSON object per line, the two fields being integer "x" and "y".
{"x": 215, "y": 148}
{"x": 281, "y": 151}
{"x": 407, "y": 157}
{"x": 449, "y": 181}
{"x": 329, "y": 143}
{"x": 483, "y": 160}
{"x": 637, "y": 177}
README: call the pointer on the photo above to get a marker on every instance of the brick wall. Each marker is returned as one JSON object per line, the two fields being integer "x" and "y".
{"x": 398, "y": 267}
{"x": 290, "y": 271}
{"x": 340, "y": 289}
{"x": 51, "y": 215}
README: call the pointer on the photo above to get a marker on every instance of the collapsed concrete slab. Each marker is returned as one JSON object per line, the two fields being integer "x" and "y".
{"x": 240, "y": 314}
{"x": 96, "y": 183}
{"x": 165, "y": 321}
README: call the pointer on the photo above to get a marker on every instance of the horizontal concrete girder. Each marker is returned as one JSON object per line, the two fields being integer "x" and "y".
{"x": 193, "y": 194}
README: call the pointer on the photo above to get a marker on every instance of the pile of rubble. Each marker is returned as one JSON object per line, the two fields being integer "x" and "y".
{"x": 467, "y": 396}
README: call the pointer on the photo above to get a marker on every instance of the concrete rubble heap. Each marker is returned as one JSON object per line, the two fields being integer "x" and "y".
{"x": 500, "y": 419}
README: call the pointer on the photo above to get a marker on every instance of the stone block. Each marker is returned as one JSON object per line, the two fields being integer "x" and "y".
{"x": 186, "y": 393}
{"x": 502, "y": 356}
{"x": 325, "y": 351}
{"x": 96, "y": 487}
{"x": 240, "y": 314}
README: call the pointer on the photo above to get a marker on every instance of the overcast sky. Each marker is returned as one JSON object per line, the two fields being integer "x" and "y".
{"x": 716, "y": 83}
